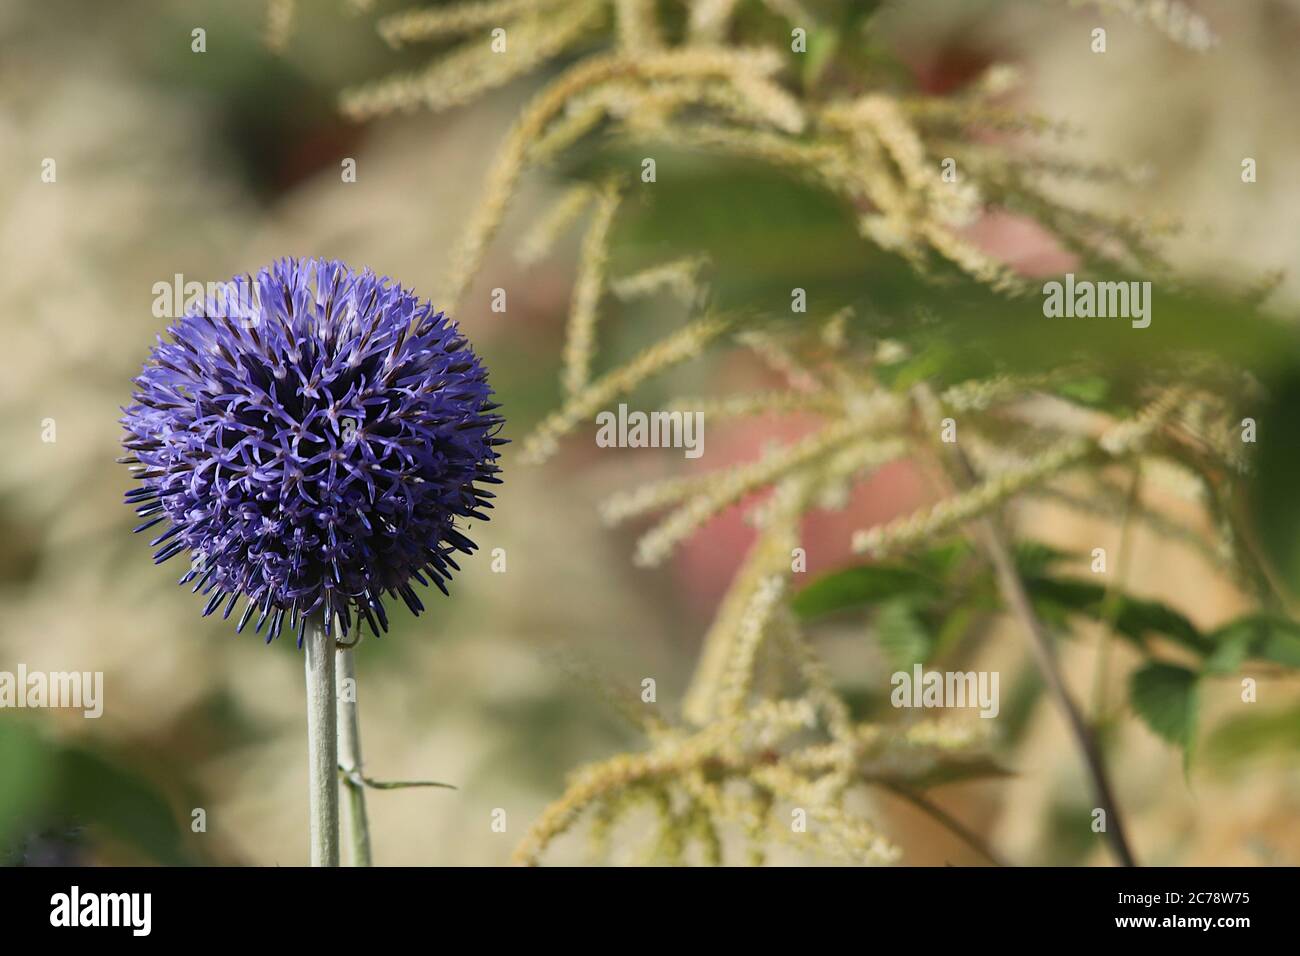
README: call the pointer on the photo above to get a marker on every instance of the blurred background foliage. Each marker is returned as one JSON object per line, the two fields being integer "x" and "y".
{"x": 210, "y": 164}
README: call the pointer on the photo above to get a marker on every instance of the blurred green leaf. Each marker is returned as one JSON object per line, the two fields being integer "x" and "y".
{"x": 128, "y": 807}
{"x": 1020, "y": 338}
{"x": 1253, "y": 735}
{"x": 1274, "y": 506}
{"x": 1069, "y": 834}
{"x": 1019, "y": 704}
{"x": 925, "y": 364}
{"x": 862, "y": 586}
{"x": 941, "y": 560}
{"x": 902, "y": 636}
{"x": 1034, "y": 558}
{"x": 950, "y": 630}
{"x": 823, "y": 43}
{"x": 1229, "y": 655}
{"x": 1089, "y": 390}
{"x": 1264, "y": 636}
{"x": 1133, "y": 618}
{"x": 26, "y": 778}
{"x": 1165, "y": 697}
{"x": 47, "y": 784}
{"x": 865, "y": 701}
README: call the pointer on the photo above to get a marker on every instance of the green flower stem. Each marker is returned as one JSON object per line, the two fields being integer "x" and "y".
{"x": 322, "y": 744}
{"x": 350, "y": 759}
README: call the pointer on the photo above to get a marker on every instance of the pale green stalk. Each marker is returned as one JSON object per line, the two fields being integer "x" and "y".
{"x": 350, "y": 759}
{"x": 322, "y": 744}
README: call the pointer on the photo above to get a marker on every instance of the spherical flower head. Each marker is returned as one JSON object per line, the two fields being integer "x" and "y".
{"x": 313, "y": 435}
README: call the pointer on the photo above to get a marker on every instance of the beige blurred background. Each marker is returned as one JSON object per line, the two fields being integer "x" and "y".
{"x": 212, "y": 164}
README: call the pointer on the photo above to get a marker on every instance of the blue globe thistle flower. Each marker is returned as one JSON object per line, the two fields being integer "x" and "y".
{"x": 312, "y": 435}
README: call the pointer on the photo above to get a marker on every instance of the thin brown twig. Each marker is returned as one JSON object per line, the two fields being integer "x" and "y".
{"x": 1114, "y": 595}
{"x": 944, "y": 819}
{"x": 1014, "y": 594}
{"x": 1012, "y": 588}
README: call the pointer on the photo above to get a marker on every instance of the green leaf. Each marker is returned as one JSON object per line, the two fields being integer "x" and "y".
{"x": 943, "y": 559}
{"x": 1262, "y": 636}
{"x": 1090, "y": 390}
{"x": 1273, "y": 504}
{"x": 1228, "y": 655}
{"x": 1131, "y": 617}
{"x": 44, "y": 783}
{"x": 1252, "y": 736}
{"x": 1019, "y": 705}
{"x": 822, "y": 46}
{"x": 1136, "y": 617}
{"x": 862, "y": 586}
{"x": 125, "y": 804}
{"x": 799, "y": 235}
{"x": 901, "y": 634}
{"x": 1189, "y": 319}
{"x": 950, "y": 629}
{"x": 27, "y": 779}
{"x": 924, "y": 365}
{"x": 1165, "y": 697}
{"x": 1034, "y": 558}
{"x": 866, "y": 702}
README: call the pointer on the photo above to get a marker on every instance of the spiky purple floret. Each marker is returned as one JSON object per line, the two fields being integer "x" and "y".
{"x": 312, "y": 435}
